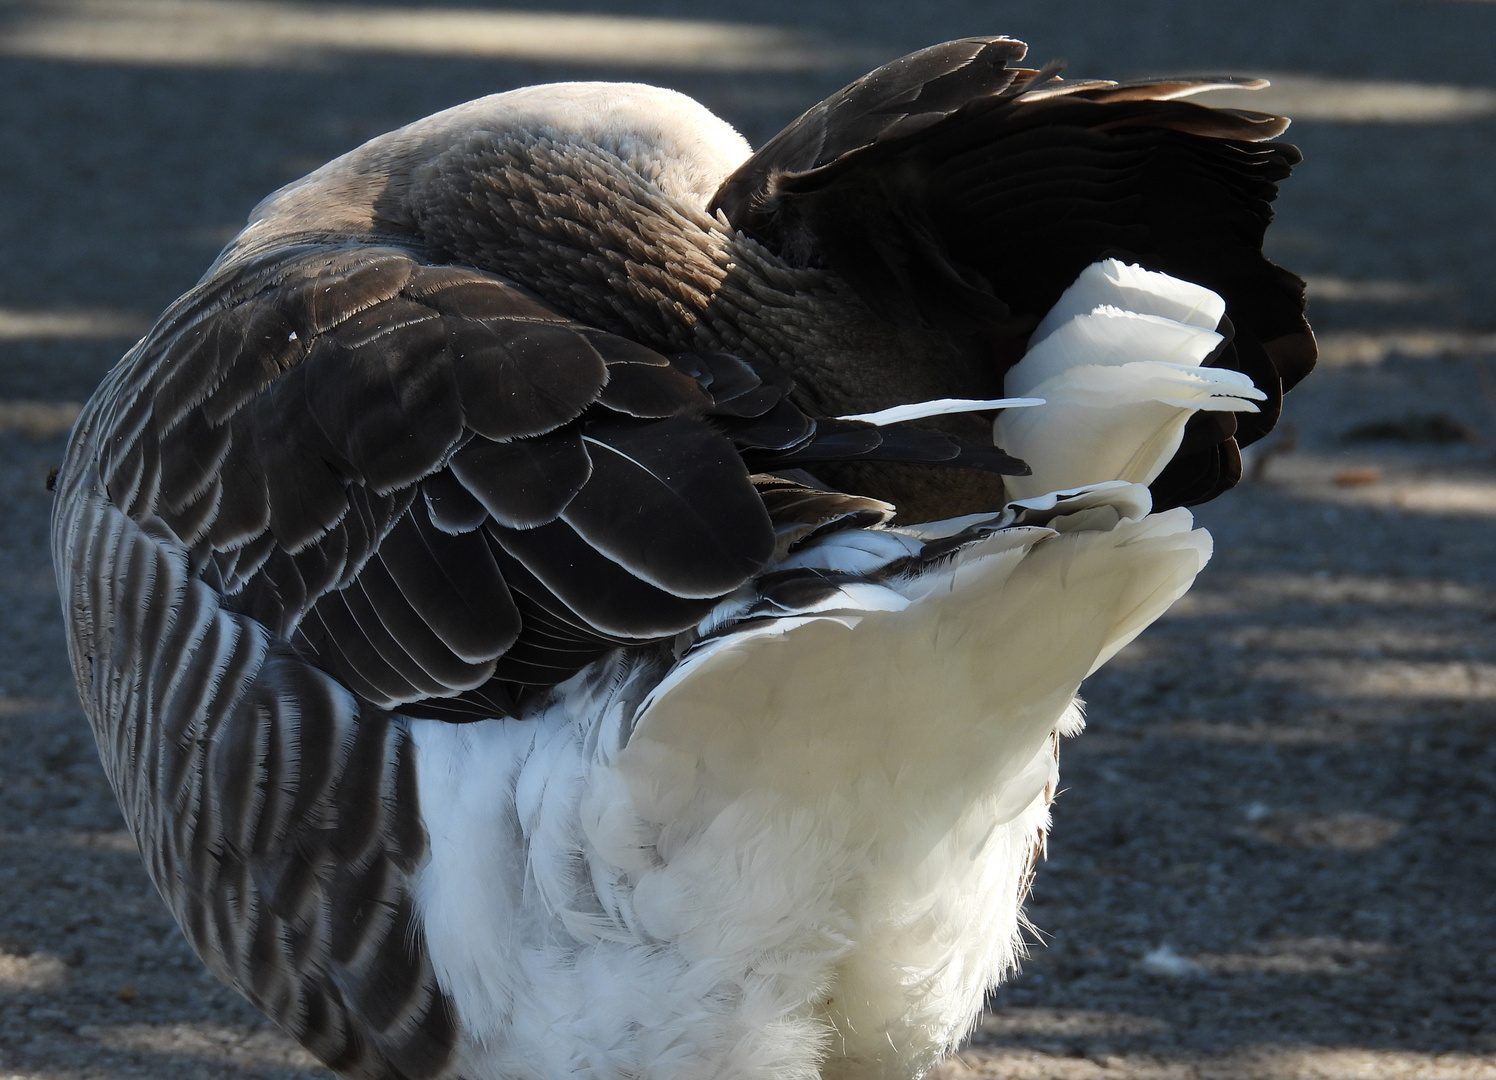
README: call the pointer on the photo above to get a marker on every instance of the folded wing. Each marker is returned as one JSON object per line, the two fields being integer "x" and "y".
{"x": 441, "y": 491}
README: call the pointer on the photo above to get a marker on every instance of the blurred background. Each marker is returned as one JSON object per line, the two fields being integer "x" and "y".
{"x": 1276, "y": 856}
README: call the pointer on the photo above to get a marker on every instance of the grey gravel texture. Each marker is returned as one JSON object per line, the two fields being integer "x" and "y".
{"x": 1276, "y": 852}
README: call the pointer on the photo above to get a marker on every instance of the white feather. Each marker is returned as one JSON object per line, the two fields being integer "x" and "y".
{"x": 1111, "y": 337}
{"x": 1123, "y": 422}
{"x": 802, "y": 854}
{"x": 1114, "y": 283}
{"x": 1119, "y": 385}
{"x": 919, "y": 410}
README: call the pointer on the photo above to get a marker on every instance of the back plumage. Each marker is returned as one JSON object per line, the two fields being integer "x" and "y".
{"x": 550, "y": 601}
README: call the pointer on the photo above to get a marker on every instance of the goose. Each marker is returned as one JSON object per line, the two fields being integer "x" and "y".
{"x": 569, "y": 595}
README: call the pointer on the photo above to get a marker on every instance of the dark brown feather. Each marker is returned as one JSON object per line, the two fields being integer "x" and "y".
{"x": 670, "y": 500}
{"x": 526, "y": 482}
{"x": 958, "y": 193}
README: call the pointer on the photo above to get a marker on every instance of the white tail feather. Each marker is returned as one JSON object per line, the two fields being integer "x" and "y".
{"x": 919, "y": 410}
{"x": 1119, "y": 383}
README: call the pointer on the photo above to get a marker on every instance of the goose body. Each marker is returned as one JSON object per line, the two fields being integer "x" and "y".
{"x": 550, "y": 601}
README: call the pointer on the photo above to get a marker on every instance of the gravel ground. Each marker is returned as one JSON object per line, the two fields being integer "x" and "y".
{"x": 1274, "y": 856}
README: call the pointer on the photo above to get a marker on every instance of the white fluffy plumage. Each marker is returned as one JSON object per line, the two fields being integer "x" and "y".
{"x": 803, "y": 852}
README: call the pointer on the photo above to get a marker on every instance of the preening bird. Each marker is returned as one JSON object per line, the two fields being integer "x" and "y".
{"x": 567, "y": 595}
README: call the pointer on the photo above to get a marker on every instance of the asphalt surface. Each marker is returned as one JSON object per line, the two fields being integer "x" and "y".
{"x": 1276, "y": 856}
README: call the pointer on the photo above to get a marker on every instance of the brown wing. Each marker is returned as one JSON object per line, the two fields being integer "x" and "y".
{"x": 956, "y": 191}
{"x": 444, "y": 493}
{"x": 431, "y": 484}
{"x": 334, "y": 484}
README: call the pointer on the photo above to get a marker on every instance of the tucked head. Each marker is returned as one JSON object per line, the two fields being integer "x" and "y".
{"x": 671, "y": 140}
